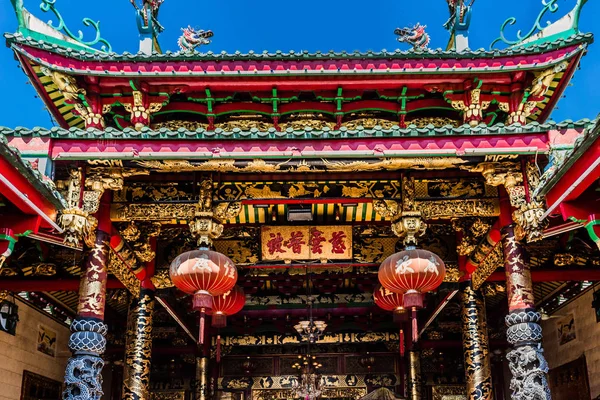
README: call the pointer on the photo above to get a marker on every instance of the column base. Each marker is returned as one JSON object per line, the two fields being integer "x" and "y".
{"x": 83, "y": 375}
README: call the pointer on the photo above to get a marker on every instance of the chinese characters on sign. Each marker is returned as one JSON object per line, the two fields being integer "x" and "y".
{"x": 306, "y": 243}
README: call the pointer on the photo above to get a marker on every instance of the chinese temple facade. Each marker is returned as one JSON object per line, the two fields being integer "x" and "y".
{"x": 378, "y": 225}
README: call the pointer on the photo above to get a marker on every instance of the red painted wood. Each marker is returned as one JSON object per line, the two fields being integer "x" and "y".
{"x": 48, "y": 285}
{"x": 380, "y": 147}
{"x": 26, "y": 188}
{"x": 554, "y": 275}
{"x": 577, "y": 170}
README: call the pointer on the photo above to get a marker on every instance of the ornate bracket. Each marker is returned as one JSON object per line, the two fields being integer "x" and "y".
{"x": 78, "y": 224}
{"x": 519, "y": 111}
{"x": 208, "y": 220}
{"x": 141, "y": 109}
{"x": 76, "y": 96}
{"x": 473, "y": 229}
{"x": 471, "y": 106}
{"x": 410, "y": 225}
{"x": 528, "y": 212}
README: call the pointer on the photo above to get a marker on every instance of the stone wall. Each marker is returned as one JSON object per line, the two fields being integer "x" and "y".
{"x": 586, "y": 343}
{"x": 19, "y": 352}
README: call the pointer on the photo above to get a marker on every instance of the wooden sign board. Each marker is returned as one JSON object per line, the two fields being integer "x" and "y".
{"x": 281, "y": 243}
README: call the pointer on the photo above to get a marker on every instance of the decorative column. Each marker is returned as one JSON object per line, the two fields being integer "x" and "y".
{"x": 83, "y": 378}
{"x": 526, "y": 361}
{"x": 138, "y": 349}
{"x": 201, "y": 378}
{"x": 415, "y": 380}
{"x": 475, "y": 344}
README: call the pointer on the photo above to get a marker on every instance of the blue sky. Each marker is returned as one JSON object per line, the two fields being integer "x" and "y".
{"x": 295, "y": 25}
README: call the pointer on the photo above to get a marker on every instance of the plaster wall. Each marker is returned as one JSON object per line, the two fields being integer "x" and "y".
{"x": 586, "y": 343}
{"x": 19, "y": 352}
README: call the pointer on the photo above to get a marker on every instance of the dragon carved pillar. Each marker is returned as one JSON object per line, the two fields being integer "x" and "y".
{"x": 476, "y": 345}
{"x": 138, "y": 348}
{"x": 526, "y": 360}
{"x": 83, "y": 378}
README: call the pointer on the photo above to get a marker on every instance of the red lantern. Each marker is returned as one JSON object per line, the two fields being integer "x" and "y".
{"x": 228, "y": 303}
{"x": 387, "y": 300}
{"x": 412, "y": 272}
{"x": 391, "y": 301}
{"x": 203, "y": 273}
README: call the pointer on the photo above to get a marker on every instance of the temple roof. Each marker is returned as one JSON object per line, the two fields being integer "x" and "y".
{"x": 300, "y": 55}
{"x": 562, "y": 163}
{"x": 42, "y": 183}
{"x": 306, "y": 133}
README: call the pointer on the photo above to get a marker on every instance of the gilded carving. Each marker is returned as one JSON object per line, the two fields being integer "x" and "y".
{"x": 369, "y": 123}
{"x": 415, "y": 380}
{"x": 162, "y": 280}
{"x": 121, "y": 271}
{"x": 448, "y": 209}
{"x": 423, "y": 122}
{"x": 475, "y": 345}
{"x": 388, "y": 209}
{"x": 494, "y": 259}
{"x": 153, "y": 212}
{"x": 395, "y": 164}
{"x": 76, "y": 97}
{"x": 245, "y": 124}
{"x": 138, "y": 349}
{"x": 180, "y": 124}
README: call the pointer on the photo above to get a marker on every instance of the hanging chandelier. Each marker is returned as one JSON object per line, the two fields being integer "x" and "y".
{"x": 308, "y": 386}
{"x": 309, "y": 329}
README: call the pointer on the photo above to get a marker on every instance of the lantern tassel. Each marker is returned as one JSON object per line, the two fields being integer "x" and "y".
{"x": 401, "y": 343}
{"x": 415, "y": 327}
{"x": 201, "y": 331}
{"x": 218, "y": 349}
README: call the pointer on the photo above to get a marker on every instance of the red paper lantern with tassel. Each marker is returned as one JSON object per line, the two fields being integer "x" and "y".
{"x": 394, "y": 302}
{"x": 203, "y": 273}
{"x": 412, "y": 272}
{"x": 228, "y": 303}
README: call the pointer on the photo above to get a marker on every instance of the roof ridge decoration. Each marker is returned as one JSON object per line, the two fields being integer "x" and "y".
{"x": 29, "y": 25}
{"x": 415, "y": 36}
{"x": 306, "y": 133}
{"x": 192, "y": 38}
{"x": 302, "y": 55}
{"x": 148, "y": 26}
{"x": 565, "y": 27}
{"x": 458, "y": 24}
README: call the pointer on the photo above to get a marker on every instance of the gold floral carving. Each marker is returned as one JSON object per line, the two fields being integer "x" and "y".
{"x": 494, "y": 260}
{"x": 369, "y": 123}
{"x": 162, "y": 279}
{"x": 388, "y": 209}
{"x": 180, "y": 124}
{"x": 449, "y": 392}
{"x": 301, "y": 124}
{"x": 138, "y": 348}
{"x": 152, "y": 212}
{"x": 244, "y": 125}
{"x": 453, "y": 274}
{"x": 4, "y": 295}
{"x": 435, "y": 121}
{"x": 394, "y": 164}
{"x": 448, "y": 209}
{"x": 121, "y": 271}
